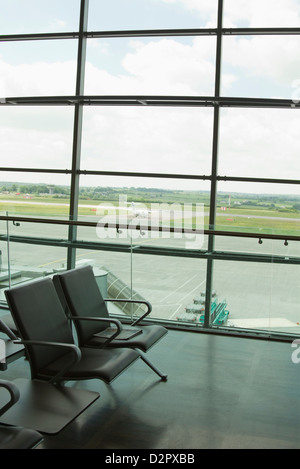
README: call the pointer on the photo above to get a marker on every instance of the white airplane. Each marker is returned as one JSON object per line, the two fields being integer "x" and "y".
{"x": 140, "y": 212}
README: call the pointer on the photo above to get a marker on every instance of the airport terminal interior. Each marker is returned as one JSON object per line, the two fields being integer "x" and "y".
{"x": 150, "y": 153}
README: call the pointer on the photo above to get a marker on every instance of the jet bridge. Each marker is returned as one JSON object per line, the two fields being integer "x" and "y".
{"x": 195, "y": 312}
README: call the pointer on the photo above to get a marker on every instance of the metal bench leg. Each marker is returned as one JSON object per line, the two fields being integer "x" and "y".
{"x": 163, "y": 376}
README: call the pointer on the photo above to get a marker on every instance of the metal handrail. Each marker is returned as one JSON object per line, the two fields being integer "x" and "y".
{"x": 139, "y": 226}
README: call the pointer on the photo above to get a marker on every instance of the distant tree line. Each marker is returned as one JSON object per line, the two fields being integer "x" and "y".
{"x": 35, "y": 189}
{"x": 144, "y": 194}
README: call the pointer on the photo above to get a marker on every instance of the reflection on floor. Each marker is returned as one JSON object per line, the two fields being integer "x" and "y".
{"x": 222, "y": 392}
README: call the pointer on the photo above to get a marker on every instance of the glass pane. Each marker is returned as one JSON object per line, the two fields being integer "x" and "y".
{"x": 261, "y": 13}
{"x": 113, "y": 273}
{"x": 260, "y": 143}
{"x": 28, "y": 262}
{"x": 36, "y": 137}
{"x": 140, "y": 233}
{"x": 38, "y": 196}
{"x": 37, "y": 68}
{"x": 39, "y": 230}
{"x": 99, "y": 234}
{"x": 283, "y": 248}
{"x": 171, "y": 284}
{"x": 164, "y": 66}
{"x": 151, "y": 14}
{"x": 172, "y": 218}
{"x": 38, "y": 16}
{"x": 262, "y": 296}
{"x": 261, "y": 66}
{"x": 147, "y": 139}
{"x": 259, "y": 208}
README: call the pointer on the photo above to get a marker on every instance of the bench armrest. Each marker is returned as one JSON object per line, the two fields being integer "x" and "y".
{"x": 71, "y": 347}
{"x": 125, "y": 300}
{"x": 114, "y": 321}
{"x": 14, "y": 395}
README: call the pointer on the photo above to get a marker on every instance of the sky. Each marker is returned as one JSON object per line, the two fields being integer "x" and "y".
{"x": 253, "y": 143}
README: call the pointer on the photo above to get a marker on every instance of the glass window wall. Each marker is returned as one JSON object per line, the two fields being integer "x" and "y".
{"x": 152, "y": 141}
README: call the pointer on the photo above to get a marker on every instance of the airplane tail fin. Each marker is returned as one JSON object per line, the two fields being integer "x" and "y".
{"x": 133, "y": 208}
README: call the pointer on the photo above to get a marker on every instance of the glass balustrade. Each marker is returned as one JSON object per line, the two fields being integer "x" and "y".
{"x": 255, "y": 281}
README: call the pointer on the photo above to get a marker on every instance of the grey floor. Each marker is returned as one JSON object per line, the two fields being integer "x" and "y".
{"x": 222, "y": 393}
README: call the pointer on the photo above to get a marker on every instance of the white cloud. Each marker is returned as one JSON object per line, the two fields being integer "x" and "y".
{"x": 207, "y": 9}
{"x": 38, "y": 78}
{"x": 147, "y": 139}
{"x": 272, "y": 58}
{"x": 165, "y": 66}
{"x": 255, "y": 13}
{"x": 172, "y": 67}
{"x": 58, "y": 24}
{"x": 262, "y": 13}
{"x": 36, "y": 137}
{"x": 100, "y": 46}
{"x": 260, "y": 143}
